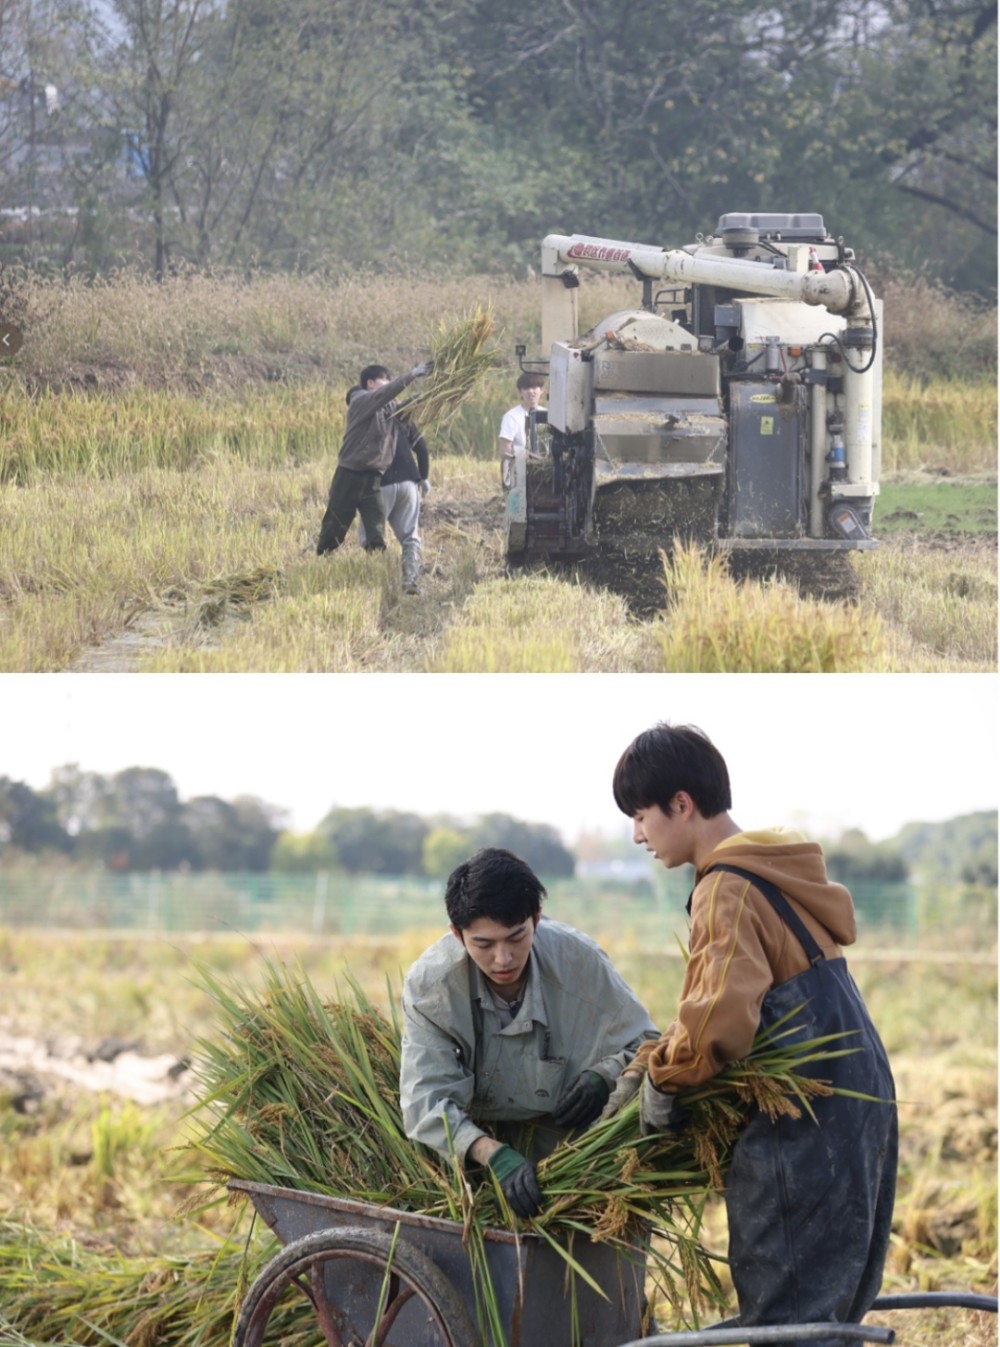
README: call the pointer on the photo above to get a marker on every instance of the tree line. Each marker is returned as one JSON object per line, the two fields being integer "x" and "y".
{"x": 135, "y": 820}
{"x": 457, "y": 133}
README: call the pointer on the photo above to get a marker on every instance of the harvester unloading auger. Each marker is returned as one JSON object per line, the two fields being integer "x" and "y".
{"x": 739, "y": 406}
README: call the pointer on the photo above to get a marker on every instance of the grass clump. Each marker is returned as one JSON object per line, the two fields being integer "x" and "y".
{"x": 715, "y": 625}
{"x": 943, "y": 603}
{"x": 538, "y": 623}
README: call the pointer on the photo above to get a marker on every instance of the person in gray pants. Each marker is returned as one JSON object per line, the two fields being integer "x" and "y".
{"x": 404, "y": 484}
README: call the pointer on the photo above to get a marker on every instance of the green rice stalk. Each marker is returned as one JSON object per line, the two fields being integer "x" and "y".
{"x": 383, "y": 1291}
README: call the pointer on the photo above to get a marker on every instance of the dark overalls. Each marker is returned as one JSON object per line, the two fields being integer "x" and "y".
{"x": 810, "y": 1203}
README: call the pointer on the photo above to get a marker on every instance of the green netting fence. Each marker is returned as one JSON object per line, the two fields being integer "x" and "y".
{"x": 336, "y": 904}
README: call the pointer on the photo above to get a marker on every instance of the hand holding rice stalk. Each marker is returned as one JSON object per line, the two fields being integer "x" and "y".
{"x": 611, "y": 1173}
{"x": 461, "y": 358}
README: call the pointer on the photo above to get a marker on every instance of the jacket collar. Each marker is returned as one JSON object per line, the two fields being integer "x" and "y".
{"x": 532, "y": 1001}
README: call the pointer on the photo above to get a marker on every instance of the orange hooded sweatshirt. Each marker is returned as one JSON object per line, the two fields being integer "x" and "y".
{"x": 740, "y": 949}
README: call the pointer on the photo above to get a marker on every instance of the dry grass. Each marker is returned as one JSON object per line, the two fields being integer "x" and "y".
{"x": 215, "y": 571}
{"x": 214, "y": 332}
{"x": 938, "y": 605}
{"x": 544, "y": 624}
{"x": 715, "y": 625}
{"x": 934, "y": 334}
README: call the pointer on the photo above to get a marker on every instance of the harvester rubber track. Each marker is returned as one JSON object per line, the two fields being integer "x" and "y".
{"x": 636, "y": 522}
{"x": 830, "y": 576}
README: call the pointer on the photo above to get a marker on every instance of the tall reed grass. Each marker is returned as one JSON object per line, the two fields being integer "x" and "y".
{"x": 932, "y": 334}
{"x": 204, "y": 331}
{"x": 948, "y": 423}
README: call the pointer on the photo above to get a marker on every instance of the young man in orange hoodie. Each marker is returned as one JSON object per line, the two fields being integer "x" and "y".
{"x": 809, "y": 1203}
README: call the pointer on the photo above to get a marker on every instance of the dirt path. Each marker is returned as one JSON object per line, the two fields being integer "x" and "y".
{"x": 463, "y": 544}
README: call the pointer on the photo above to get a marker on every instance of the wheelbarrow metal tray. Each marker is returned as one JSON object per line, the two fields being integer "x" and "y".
{"x": 529, "y": 1277}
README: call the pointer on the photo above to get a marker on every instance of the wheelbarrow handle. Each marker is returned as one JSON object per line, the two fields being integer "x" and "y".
{"x": 927, "y": 1300}
{"x": 714, "y": 1337}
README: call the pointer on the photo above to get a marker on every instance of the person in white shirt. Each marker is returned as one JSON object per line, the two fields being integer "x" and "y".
{"x": 514, "y": 426}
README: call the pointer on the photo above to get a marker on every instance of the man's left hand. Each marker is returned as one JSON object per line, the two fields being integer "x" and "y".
{"x": 425, "y": 487}
{"x": 582, "y": 1102}
{"x": 658, "y": 1111}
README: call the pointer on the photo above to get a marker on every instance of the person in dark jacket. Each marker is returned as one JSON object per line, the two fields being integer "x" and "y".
{"x": 366, "y": 452}
{"x": 809, "y": 1200}
{"x": 404, "y": 483}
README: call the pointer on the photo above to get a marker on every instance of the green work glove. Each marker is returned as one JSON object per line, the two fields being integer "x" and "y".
{"x": 517, "y": 1180}
{"x": 582, "y": 1102}
{"x": 626, "y": 1088}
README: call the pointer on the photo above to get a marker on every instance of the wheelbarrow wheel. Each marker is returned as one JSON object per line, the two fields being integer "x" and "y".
{"x": 344, "y": 1274}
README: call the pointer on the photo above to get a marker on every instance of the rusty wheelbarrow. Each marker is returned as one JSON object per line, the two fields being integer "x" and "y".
{"x": 378, "y": 1277}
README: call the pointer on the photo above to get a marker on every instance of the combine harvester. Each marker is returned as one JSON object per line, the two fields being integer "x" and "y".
{"x": 739, "y": 406}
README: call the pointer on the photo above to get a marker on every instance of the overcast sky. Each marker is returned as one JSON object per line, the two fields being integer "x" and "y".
{"x": 822, "y": 752}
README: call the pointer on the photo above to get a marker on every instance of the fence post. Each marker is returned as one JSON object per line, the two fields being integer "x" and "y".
{"x": 319, "y": 901}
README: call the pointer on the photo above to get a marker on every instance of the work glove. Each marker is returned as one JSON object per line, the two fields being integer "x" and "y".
{"x": 425, "y": 487}
{"x": 626, "y": 1088}
{"x": 418, "y": 371}
{"x": 658, "y": 1111}
{"x": 517, "y": 1180}
{"x": 580, "y": 1104}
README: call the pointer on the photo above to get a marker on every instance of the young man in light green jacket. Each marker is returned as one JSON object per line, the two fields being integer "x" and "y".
{"x": 516, "y": 1028}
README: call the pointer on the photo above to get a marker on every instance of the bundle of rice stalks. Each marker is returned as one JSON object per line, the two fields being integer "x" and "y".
{"x": 304, "y": 1094}
{"x": 246, "y": 587}
{"x": 462, "y": 357}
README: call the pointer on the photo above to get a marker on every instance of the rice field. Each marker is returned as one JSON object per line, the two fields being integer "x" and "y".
{"x": 165, "y": 458}
{"x": 110, "y": 1229}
